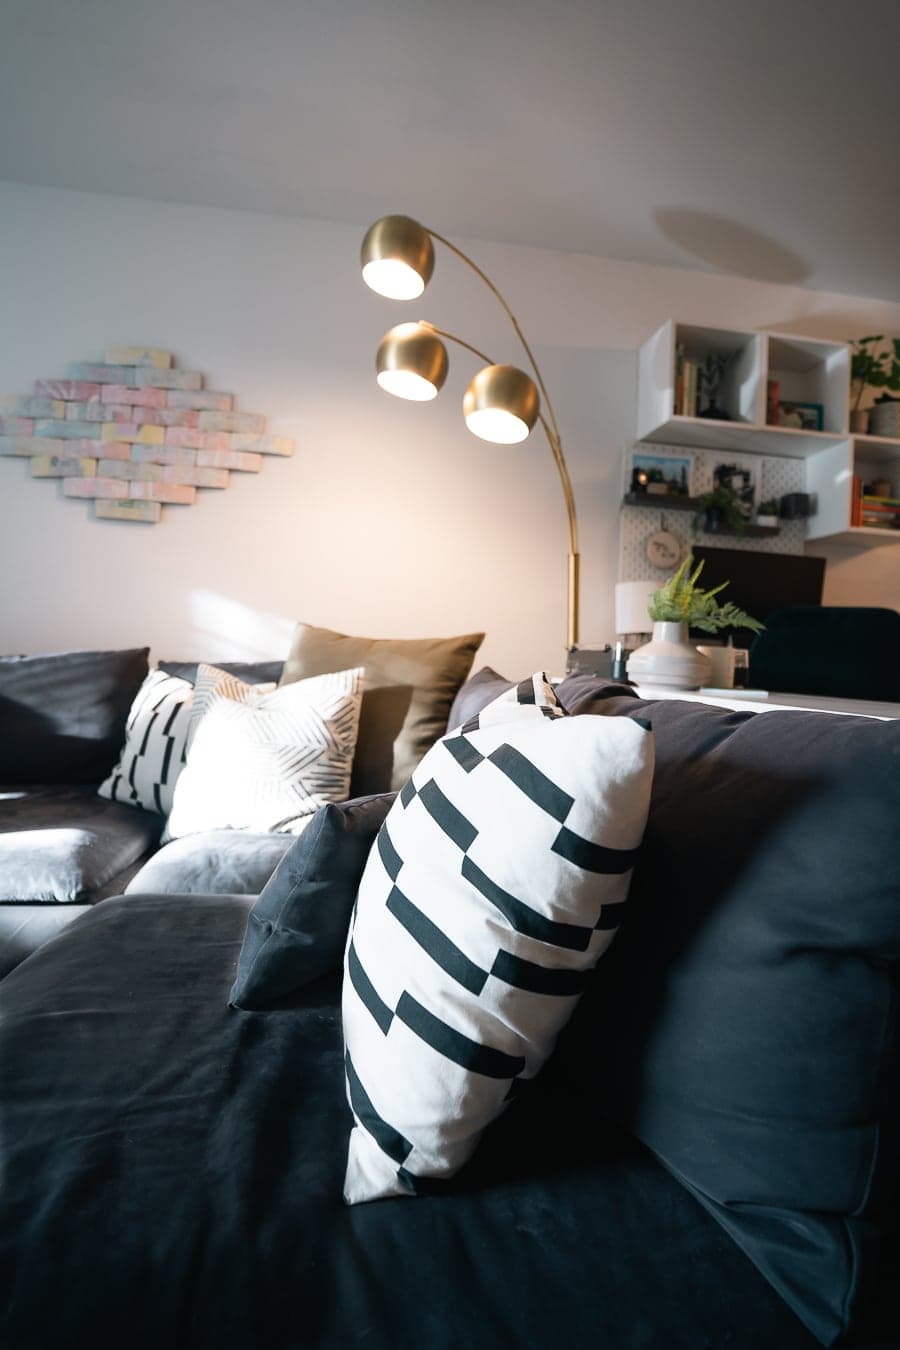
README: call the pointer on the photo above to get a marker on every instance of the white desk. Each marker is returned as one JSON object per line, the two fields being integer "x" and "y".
{"x": 774, "y": 702}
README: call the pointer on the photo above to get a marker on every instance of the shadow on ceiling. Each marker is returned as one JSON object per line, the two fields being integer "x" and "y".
{"x": 731, "y": 247}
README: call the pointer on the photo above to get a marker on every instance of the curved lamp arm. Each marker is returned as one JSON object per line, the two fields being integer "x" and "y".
{"x": 512, "y": 318}
{"x": 403, "y": 243}
{"x": 550, "y": 432}
{"x": 555, "y": 444}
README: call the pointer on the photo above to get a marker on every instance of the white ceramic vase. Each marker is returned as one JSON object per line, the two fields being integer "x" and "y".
{"x": 669, "y": 660}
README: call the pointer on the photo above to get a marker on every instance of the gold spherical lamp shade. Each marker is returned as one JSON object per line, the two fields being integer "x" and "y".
{"x": 501, "y": 404}
{"x": 411, "y": 362}
{"x": 397, "y": 257}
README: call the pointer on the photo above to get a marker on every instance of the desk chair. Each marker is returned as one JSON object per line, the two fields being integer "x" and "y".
{"x": 839, "y": 652}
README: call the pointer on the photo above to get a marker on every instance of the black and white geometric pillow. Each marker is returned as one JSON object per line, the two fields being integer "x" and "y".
{"x": 265, "y": 761}
{"x": 495, "y": 884}
{"x": 155, "y": 736}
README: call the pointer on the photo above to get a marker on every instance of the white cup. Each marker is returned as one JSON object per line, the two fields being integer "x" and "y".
{"x": 722, "y": 659}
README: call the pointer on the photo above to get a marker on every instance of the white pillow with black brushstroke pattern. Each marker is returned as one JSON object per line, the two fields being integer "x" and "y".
{"x": 494, "y": 886}
{"x": 155, "y": 736}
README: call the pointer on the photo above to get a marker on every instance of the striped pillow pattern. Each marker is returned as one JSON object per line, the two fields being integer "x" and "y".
{"x": 495, "y": 884}
{"x": 154, "y": 750}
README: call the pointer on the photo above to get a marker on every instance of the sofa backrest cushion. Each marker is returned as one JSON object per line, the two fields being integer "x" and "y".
{"x": 297, "y": 930}
{"x": 251, "y": 672}
{"x": 62, "y": 717}
{"x": 744, "y": 1027}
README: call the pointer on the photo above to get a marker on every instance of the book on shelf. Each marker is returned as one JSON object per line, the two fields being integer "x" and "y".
{"x": 686, "y": 385}
{"x": 856, "y": 501}
{"x": 772, "y": 391}
{"x": 679, "y": 379}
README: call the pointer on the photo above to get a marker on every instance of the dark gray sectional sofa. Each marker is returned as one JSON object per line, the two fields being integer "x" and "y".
{"x": 710, "y": 1159}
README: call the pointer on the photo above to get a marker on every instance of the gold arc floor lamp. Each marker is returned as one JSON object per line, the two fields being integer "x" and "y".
{"x": 501, "y": 404}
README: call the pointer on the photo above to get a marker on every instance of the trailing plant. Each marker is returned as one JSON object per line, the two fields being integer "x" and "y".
{"x": 724, "y": 501}
{"x": 710, "y": 375}
{"x": 681, "y": 600}
{"x": 874, "y": 367}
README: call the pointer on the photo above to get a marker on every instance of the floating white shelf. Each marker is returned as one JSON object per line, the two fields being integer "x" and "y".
{"x": 807, "y": 370}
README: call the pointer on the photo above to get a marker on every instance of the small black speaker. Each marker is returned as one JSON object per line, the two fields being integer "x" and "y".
{"x": 795, "y": 506}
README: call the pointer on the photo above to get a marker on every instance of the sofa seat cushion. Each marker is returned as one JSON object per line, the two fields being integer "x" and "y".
{"x": 212, "y": 862}
{"x": 64, "y": 844}
{"x": 172, "y": 1176}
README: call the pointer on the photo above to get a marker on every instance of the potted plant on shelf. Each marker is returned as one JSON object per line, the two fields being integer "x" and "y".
{"x": 669, "y": 659}
{"x": 872, "y": 367}
{"x": 709, "y": 380}
{"x": 719, "y": 509}
{"x": 768, "y": 513}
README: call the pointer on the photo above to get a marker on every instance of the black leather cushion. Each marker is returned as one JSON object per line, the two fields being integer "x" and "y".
{"x": 831, "y": 650}
{"x": 745, "y": 1012}
{"x": 62, "y": 717}
{"x": 251, "y": 672}
{"x": 298, "y": 929}
{"x": 65, "y": 844}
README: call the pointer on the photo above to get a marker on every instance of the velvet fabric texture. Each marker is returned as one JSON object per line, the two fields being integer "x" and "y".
{"x": 214, "y": 862}
{"x": 172, "y": 1176}
{"x": 408, "y": 690}
{"x": 64, "y": 844}
{"x": 62, "y": 717}
{"x": 297, "y": 931}
{"x": 752, "y": 1042}
{"x": 831, "y": 650}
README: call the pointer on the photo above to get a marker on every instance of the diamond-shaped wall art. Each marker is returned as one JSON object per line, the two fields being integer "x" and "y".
{"x": 134, "y": 434}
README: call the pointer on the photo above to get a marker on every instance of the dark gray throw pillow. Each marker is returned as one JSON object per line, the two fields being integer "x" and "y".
{"x": 483, "y": 687}
{"x": 62, "y": 717}
{"x": 297, "y": 929}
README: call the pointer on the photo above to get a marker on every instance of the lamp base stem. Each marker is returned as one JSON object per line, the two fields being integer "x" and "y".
{"x": 574, "y": 577}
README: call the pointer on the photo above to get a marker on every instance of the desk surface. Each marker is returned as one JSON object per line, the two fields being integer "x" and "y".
{"x": 774, "y": 702}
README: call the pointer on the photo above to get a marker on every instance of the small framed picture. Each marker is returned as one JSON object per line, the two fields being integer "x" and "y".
{"x": 803, "y": 416}
{"x": 659, "y": 475}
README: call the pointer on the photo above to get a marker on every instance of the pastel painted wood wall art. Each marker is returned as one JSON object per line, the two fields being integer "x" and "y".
{"x": 134, "y": 434}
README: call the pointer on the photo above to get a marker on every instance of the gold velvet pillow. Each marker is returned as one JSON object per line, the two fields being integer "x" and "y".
{"x": 408, "y": 690}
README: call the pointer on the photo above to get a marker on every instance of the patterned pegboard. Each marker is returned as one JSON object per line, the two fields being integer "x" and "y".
{"x": 773, "y": 477}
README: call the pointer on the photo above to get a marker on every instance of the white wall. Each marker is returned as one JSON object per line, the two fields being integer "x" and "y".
{"x": 391, "y": 518}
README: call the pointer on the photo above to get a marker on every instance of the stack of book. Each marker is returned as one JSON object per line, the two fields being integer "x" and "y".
{"x": 876, "y": 513}
{"x": 686, "y": 392}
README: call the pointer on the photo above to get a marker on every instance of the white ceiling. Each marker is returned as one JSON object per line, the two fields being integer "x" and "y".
{"x": 751, "y": 136}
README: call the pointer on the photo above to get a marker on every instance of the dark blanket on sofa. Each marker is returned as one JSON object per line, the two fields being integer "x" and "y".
{"x": 171, "y": 1177}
